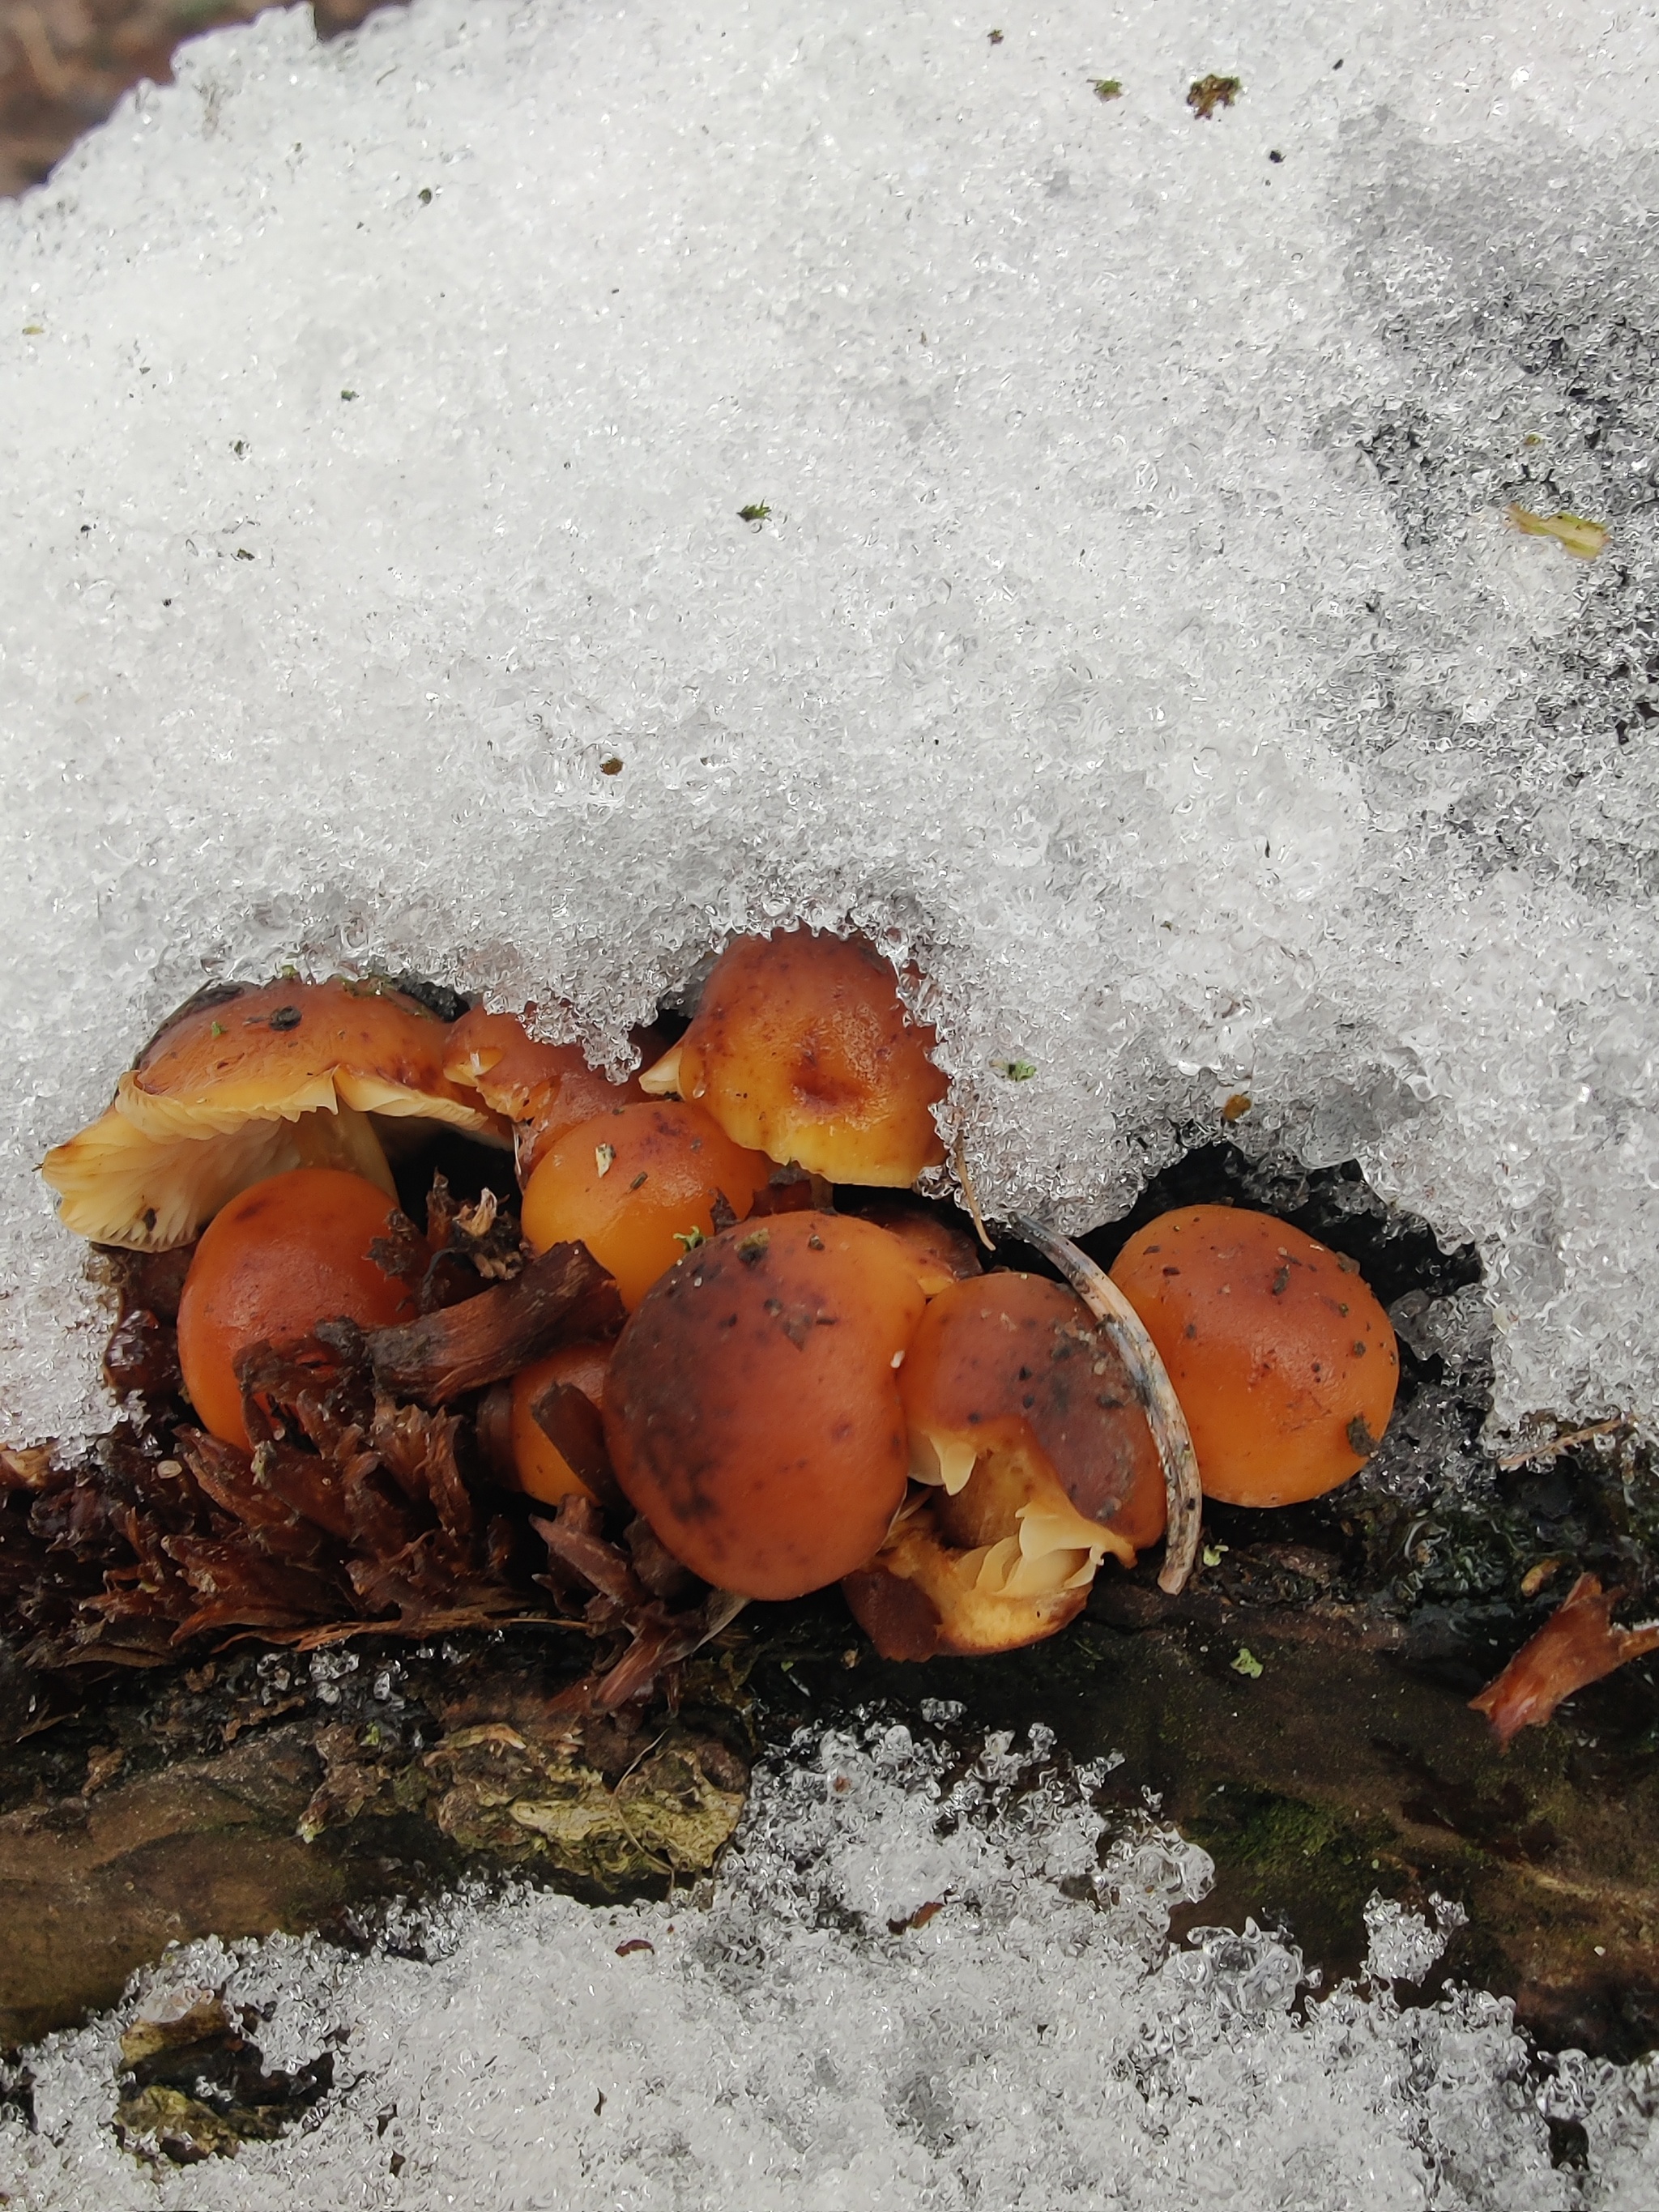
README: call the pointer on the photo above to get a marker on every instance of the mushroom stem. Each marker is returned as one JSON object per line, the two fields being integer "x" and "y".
{"x": 1165, "y": 1417}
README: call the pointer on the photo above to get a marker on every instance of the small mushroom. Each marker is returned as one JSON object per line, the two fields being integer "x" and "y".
{"x": 244, "y": 1084}
{"x": 945, "y": 1252}
{"x": 1284, "y": 1364}
{"x": 801, "y": 1050}
{"x": 281, "y": 1256}
{"x": 543, "y": 1089}
{"x": 752, "y": 1408}
{"x": 1033, "y": 1444}
{"x": 640, "y": 1186}
{"x": 542, "y": 1470}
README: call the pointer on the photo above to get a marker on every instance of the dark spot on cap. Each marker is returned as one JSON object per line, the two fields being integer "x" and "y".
{"x": 1360, "y": 1438}
{"x": 753, "y": 1247}
{"x": 286, "y": 1017}
{"x": 1359, "y": 1347}
{"x": 1172, "y": 1271}
{"x": 1281, "y": 1282}
{"x": 1191, "y": 1330}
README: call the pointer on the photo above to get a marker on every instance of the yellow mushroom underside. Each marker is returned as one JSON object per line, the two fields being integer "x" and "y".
{"x": 117, "y": 1184}
{"x": 152, "y": 1169}
{"x": 1053, "y": 1547}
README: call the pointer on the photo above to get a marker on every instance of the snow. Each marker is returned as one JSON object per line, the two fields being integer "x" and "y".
{"x": 1135, "y": 636}
{"x": 787, "y": 2041}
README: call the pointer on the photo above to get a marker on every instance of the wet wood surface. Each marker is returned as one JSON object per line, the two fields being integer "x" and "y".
{"x": 1341, "y": 1769}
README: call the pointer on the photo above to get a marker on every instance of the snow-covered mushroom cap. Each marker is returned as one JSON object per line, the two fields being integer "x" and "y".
{"x": 246, "y": 1082}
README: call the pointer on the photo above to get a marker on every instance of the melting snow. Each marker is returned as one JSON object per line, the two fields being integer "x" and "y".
{"x": 789, "y": 2041}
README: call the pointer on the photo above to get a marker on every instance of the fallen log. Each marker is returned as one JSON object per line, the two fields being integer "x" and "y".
{"x": 249, "y": 1798}
{"x": 1335, "y": 1766}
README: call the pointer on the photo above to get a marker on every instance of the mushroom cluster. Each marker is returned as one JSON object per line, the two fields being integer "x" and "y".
{"x": 801, "y": 1372}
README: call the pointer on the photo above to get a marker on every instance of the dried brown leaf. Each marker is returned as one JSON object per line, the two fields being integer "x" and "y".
{"x": 1577, "y": 1644}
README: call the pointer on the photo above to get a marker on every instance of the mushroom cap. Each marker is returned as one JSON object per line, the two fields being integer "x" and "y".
{"x": 634, "y": 1184}
{"x": 801, "y": 1050}
{"x": 244, "y": 1084}
{"x": 281, "y": 1256}
{"x": 945, "y": 1252}
{"x": 287, "y": 1048}
{"x": 1011, "y": 1386}
{"x": 1284, "y": 1364}
{"x": 542, "y": 1470}
{"x": 543, "y": 1089}
{"x": 1038, "y": 1459}
{"x": 752, "y": 1409}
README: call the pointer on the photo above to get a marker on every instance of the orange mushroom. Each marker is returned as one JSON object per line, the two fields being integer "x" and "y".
{"x": 638, "y": 1185}
{"x": 1285, "y": 1365}
{"x": 944, "y": 1253}
{"x": 752, "y": 1408}
{"x": 290, "y": 1252}
{"x": 1026, "y": 1427}
{"x": 542, "y": 1470}
{"x": 801, "y": 1050}
{"x": 543, "y": 1089}
{"x": 246, "y": 1082}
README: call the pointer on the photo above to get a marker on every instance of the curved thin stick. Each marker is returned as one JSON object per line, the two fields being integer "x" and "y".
{"x": 1167, "y": 1423}
{"x": 970, "y": 1196}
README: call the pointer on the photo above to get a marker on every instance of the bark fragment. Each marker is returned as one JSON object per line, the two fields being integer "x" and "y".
{"x": 485, "y": 1338}
{"x": 1576, "y": 1645}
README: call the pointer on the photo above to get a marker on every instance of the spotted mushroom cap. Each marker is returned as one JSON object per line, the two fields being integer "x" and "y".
{"x": 543, "y": 1090}
{"x": 752, "y": 1409}
{"x": 1284, "y": 1361}
{"x": 1036, "y": 1459}
{"x": 248, "y": 1082}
